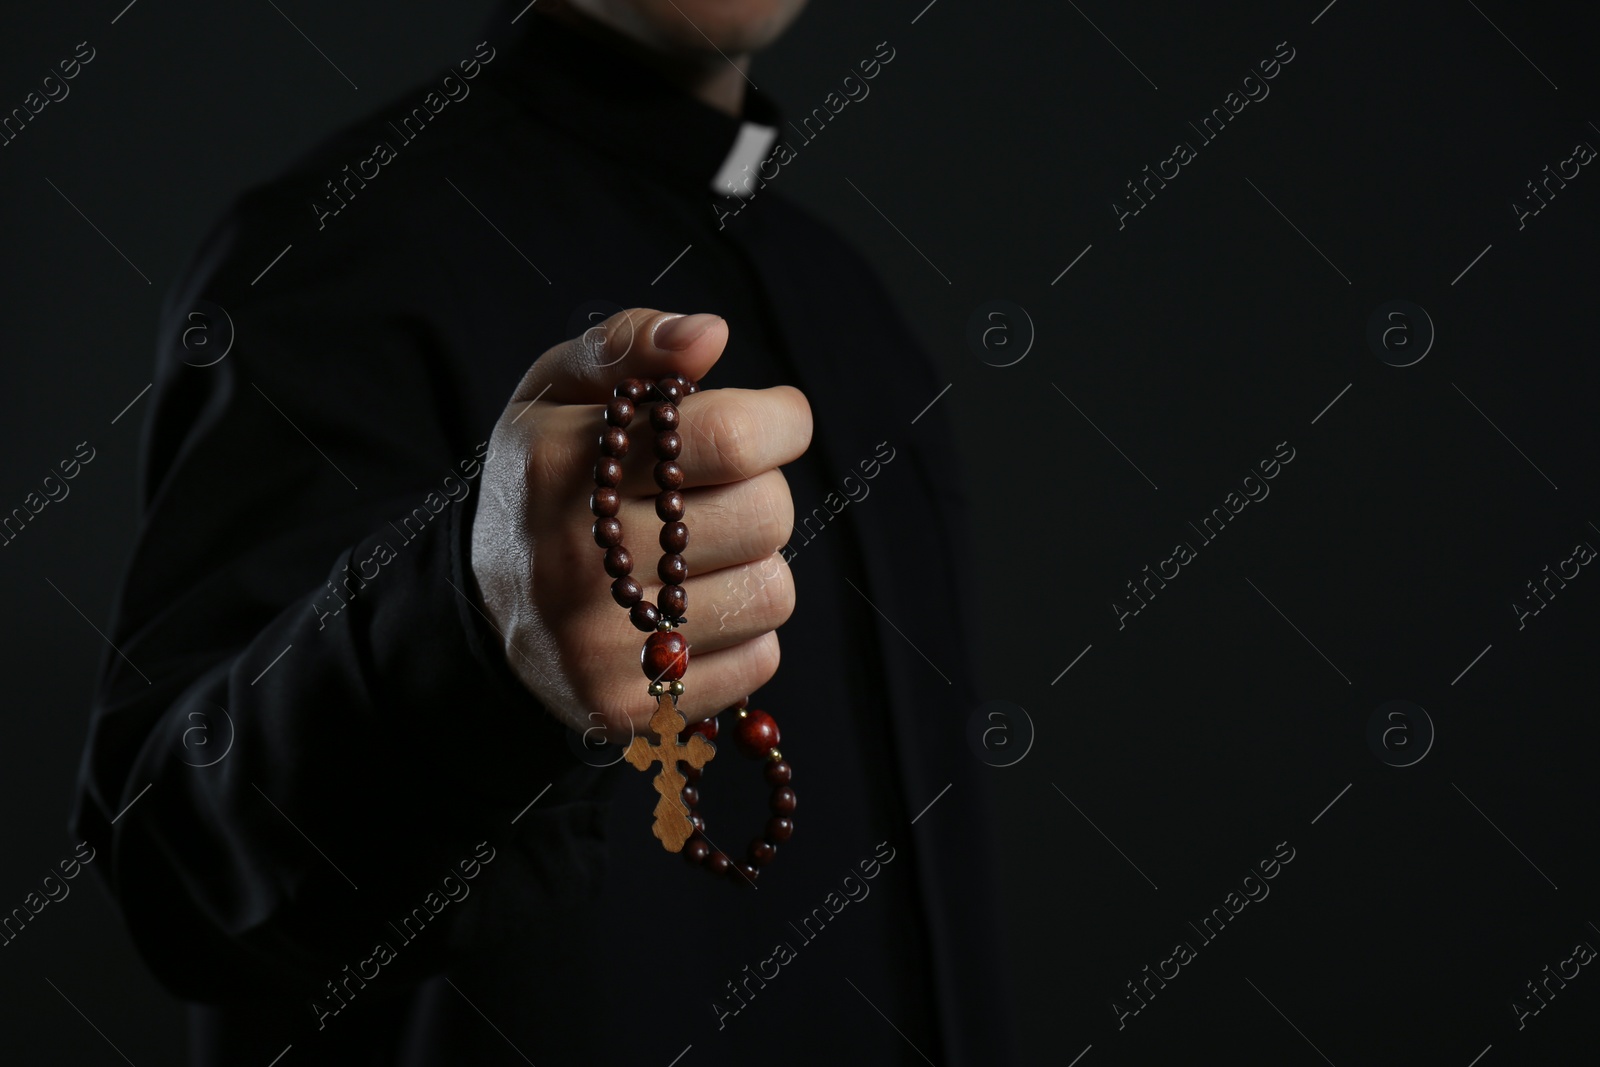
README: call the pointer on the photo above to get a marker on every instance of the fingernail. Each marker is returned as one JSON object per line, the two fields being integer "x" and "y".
{"x": 678, "y": 333}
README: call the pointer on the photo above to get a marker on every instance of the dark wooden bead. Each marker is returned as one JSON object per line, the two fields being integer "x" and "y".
{"x": 672, "y": 569}
{"x": 718, "y": 863}
{"x": 756, "y": 734}
{"x": 605, "y": 502}
{"x": 664, "y": 417}
{"x": 619, "y": 412}
{"x": 670, "y": 389}
{"x": 706, "y": 728}
{"x": 614, "y": 442}
{"x": 665, "y": 655}
{"x": 669, "y": 505}
{"x": 778, "y": 772}
{"x": 668, "y": 475}
{"x": 668, "y": 445}
{"x": 608, "y": 472}
{"x": 635, "y": 389}
{"x": 762, "y": 852}
{"x": 697, "y": 821}
{"x": 783, "y": 800}
{"x": 619, "y": 562}
{"x": 691, "y": 796}
{"x": 744, "y": 873}
{"x": 690, "y": 772}
{"x": 696, "y": 849}
{"x": 779, "y": 829}
{"x": 607, "y": 533}
{"x": 673, "y": 600}
{"x": 644, "y": 616}
{"x": 674, "y": 537}
{"x": 627, "y": 592}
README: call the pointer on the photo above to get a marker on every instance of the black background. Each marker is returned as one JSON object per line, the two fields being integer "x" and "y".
{"x": 1216, "y": 724}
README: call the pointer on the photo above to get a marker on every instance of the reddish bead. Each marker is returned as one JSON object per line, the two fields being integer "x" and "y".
{"x": 669, "y": 506}
{"x": 761, "y": 852}
{"x": 718, "y": 863}
{"x": 706, "y": 728}
{"x": 619, "y": 412}
{"x": 668, "y": 445}
{"x": 778, "y": 772}
{"x": 744, "y": 873}
{"x": 668, "y": 475}
{"x": 672, "y": 569}
{"x": 614, "y": 442}
{"x": 670, "y": 389}
{"x": 783, "y": 800}
{"x": 644, "y": 616}
{"x": 665, "y": 655}
{"x": 698, "y": 822}
{"x": 756, "y": 734}
{"x": 691, "y": 796}
{"x": 605, "y": 502}
{"x": 674, "y": 537}
{"x": 607, "y": 472}
{"x": 626, "y": 592}
{"x": 696, "y": 849}
{"x": 673, "y": 600}
{"x": 619, "y": 562}
{"x": 607, "y": 533}
{"x": 664, "y": 417}
{"x": 691, "y": 772}
{"x": 779, "y": 829}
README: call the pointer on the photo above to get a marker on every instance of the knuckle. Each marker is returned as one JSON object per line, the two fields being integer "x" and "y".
{"x": 801, "y": 411}
{"x": 774, "y": 509}
{"x": 764, "y": 660}
{"x": 774, "y": 590}
{"x": 729, "y": 429}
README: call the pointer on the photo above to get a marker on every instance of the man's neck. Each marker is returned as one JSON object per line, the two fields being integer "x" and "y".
{"x": 716, "y": 81}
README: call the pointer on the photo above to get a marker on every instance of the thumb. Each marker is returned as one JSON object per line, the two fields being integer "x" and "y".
{"x": 637, "y": 343}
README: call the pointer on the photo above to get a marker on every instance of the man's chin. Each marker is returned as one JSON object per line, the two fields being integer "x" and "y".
{"x": 691, "y": 29}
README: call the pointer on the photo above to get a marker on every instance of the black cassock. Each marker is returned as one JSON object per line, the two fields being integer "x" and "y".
{"x": 336, "y": 850}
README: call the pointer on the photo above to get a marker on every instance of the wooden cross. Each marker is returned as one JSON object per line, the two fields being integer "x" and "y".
{"x": 672, "y": 817}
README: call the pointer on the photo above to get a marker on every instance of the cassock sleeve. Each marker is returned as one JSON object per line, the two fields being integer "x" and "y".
{"x": 307, "y": 726}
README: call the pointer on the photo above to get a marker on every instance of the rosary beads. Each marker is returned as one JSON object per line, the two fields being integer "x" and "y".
{"x": 665, "y": 656}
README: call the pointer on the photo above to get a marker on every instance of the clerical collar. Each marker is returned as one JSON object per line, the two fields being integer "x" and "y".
{"x": 585, "y": 82}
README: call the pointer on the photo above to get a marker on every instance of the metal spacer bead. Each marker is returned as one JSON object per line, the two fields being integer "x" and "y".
{"x": 665, "y": 625}
{"x": 676, "y": 688}
{"x": 774, "y": 755}
{"x": 657, "y": 688}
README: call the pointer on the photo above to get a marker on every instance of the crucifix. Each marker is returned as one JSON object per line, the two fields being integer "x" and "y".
{"x": 672, "y": 824}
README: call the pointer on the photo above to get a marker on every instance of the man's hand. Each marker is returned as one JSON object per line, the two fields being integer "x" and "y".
{"x": 534, "y": 553}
